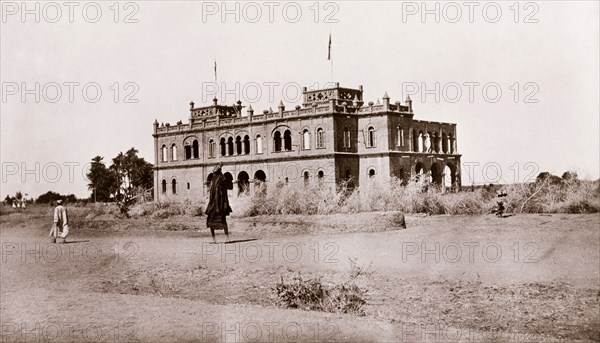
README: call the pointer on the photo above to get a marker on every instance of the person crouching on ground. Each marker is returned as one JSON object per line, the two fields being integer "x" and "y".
{"x": 61, "y": 223}
{"x": 218, "y": 203}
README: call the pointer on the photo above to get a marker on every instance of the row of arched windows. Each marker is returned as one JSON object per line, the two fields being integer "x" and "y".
{"x": 421, "y": 142}
{"x": 190, "y": 151}
{"x": 433, "y": 142}
{"x": 284, "y": 142}
{"x": 307, "y": 141}
{"x": 173, "y": 186}
{"x": 230, "y": 146}
{"x": 320, "y": 177}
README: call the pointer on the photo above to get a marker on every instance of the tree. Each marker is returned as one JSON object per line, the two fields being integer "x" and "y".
{"x": 133, "y": 175}
{"x": 570, "y": 176}
{"x": 545, "y": 176}
{"x": 138, "y": 171}
{"x": 117, "y": 169}
{"x": 127, "y": 175}
{"x": 50, "y": 197}
{"x": 102, "y": 181}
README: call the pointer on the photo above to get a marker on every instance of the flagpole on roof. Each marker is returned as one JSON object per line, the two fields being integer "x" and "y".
{"x": 329, "y": 56}
{"x": 215, "y": 69}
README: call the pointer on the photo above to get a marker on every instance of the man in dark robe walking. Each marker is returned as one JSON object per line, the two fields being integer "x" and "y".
{"x": 218, "y": 203}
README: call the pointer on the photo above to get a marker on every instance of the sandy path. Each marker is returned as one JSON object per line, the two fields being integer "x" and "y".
{"x": 46, "y": 294}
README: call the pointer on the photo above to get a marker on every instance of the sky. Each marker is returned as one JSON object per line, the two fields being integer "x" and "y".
{"x": 520, "y": 79}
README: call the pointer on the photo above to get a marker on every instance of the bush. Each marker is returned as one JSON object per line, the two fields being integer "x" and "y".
{"x": 166, "y": 210}
{"x": 547, "y": 195}
{"x": 313, "y": 295}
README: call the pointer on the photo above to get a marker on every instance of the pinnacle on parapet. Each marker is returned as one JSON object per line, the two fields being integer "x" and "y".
{"x": 408, "y": 99}
{"x": 377, "y": 102}
{"x": 386, "y": 96}
{"x": 281, "y": 105}
{"x": 270, "y": 109}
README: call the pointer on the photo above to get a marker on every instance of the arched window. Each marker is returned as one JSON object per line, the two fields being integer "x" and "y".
{"x": 415, "y": 141}
{"x": 260, "y": 176}
{"x": 444, "y": 143}
{"x": 259, "y": 144}
{"x": 277, "y": 141}
{"x": 321, "y": 177}
{"x": 347, "y": 142}
{"x": 246, "y": 145}
{"x": 230, "y": 146}
{"x": 174, "y": 186}
{"x": 370, "y": 137}
{"x": 238, "y": 145}
{"x": 305, "y": 139}
{"x": 174, "y": 152}
{"x": 306, "y": 178}
{"x": 419, "y": 171}
{"x": 164, "y": 153}
{"x": 371, "y": 173}
{"x": 427, "y": 142}
{"x": 187, "y": 149}
{"x": 243, "y": 181}
{"x": 228, "y": 180}
{"x": 436, "y": 143}
{"x": 223, "y": 146}
{"x": 448, "y": 177}
{"x": 211, "y": 148}
{"x": 164, "y": 186}
{"x": 400, "y": 136}
{"x": 420, "y": 144}
{"x": 287, "y": 139}
{"x": 196, "y": 149}
{"x": 320, "y": 138}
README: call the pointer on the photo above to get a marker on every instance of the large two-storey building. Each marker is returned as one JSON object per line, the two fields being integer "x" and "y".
{"x": 334, "y": 137}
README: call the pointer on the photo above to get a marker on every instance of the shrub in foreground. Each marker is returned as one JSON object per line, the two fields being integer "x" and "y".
{"x": 313, "y": 295}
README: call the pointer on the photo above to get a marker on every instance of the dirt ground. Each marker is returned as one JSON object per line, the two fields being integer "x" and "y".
{"x": 526, "y": 278}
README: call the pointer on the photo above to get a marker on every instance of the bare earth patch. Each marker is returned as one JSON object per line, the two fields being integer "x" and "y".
{"x": 170, "y": 285}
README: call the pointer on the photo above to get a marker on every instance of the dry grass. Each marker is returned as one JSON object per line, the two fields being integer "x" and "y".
{"x": 566, "y": 196}
{"x": 417, "y": 197}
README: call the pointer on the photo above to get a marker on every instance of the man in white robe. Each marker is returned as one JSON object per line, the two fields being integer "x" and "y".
{"x": 61, "y": 222}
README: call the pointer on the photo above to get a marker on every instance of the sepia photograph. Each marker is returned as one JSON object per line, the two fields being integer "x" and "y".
{"x": 300, "y": 171}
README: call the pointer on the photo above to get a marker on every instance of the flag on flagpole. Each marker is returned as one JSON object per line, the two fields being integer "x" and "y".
{"x": 329, "y": 49}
